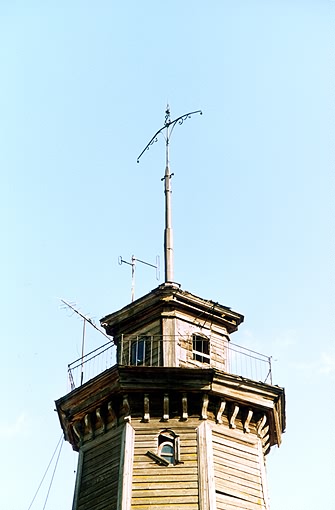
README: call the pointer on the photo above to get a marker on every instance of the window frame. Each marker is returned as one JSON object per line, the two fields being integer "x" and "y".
{"x": 170, "y": 438}
{"x": 138, "y": 351}
{"x": 202, "y": 356}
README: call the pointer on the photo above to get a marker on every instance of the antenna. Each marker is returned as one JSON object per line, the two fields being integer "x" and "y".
{"x": 90, "y": 321}
{"x": 169, "y": 126}
{"x": 132, "y": 263}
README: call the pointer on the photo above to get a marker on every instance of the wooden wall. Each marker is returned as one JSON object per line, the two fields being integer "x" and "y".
{"x": 238, "y": 470}
{"x": 218, "y": 343}
{"x": 165, "y": 488}
{"x": 153, "y": 345}
{"x": 98, "y": 473}
{"x": 224, "y": 468}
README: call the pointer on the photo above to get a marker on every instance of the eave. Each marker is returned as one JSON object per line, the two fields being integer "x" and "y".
{"x": 171, "y": 297}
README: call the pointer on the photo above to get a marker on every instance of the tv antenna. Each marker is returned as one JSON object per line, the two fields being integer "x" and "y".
{"x": 167, "y": 130}
{"x": 132, "y": 263}
{"x": 88, "y": 320}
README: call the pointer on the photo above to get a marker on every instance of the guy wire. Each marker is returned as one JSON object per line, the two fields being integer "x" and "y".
{"x": 45, "y": 473}
{"x": 53, "y": 474}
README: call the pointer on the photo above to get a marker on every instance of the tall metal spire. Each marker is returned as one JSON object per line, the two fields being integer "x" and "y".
{"x": 167, "y": 130}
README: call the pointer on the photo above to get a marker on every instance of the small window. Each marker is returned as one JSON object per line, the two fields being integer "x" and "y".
{"x": 166, "y": 450}
{"x": 168, "y": 446}
{"x": 201, "y": 348}
{"x": 138, "y": 348}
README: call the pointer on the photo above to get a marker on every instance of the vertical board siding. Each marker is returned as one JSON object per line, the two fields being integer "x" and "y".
{"x": 237, "y": 469}
{"x": 159, "y": 487}
{"x": 153, "y": 346}
{"x": 217, "y": 346}
{"x": 98, "y": 485}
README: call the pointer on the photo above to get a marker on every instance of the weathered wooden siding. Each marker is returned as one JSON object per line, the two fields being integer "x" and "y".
{"x": 165, "y": 488}
{"x": 238, "y": 467}
{"x": 153, "y": 346}
{"x": 218, "y": 342}
{"x": 98, "y": 473}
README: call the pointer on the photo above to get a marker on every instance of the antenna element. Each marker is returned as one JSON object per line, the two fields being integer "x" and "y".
{"x": 168, "y": 127}
{"x": 85, "y": 318}
{"x": 132, "y": 263}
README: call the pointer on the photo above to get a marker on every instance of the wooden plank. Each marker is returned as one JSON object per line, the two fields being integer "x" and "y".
{"x": 236, "y": 442}
{"x": 91, "y": 470}
{"x": 161, "y": 471}
{"x": 165, "y": 479}
{"x": 240, "y": 460}
{"x": 164, "y": 502}
{"x": 104, "y": 458}
{"x": 165, "y": 485}
{"x": 152, "y": 465}
{"x": 223, "y": 450}
{"x": 241, "y": 477}
{"x": 153, "y": 506}
{"x": 100, "y": 495}
{"x": 239, "y": 467}
{"x": 222, "y": 476}
{"x": 96, "y": 484}
{"x": 167, "y": 494}
{"x": 237, "y": 449}
{"x": 186, "y": 450}
{"x": 236, "y": 503}
{"x": 205, "y": 468}
{"x": 222, "y": 485}
{"x": 100, "y": 504}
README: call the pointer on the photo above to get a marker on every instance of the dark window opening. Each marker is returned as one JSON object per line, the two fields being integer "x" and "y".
{"x": 168, "y": 447}
{"x": 138, "y": 348}
{"x": 201, "y": 349}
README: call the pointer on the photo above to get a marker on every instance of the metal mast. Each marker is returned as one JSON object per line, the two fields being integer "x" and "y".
{"x": 167, "y": 130}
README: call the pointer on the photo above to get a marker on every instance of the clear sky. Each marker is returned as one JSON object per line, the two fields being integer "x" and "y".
{"x": 84, "y": 86}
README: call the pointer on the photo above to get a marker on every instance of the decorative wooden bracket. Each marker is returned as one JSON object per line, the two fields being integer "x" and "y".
{"x": 263, "y": 434}
{"x": 247, "y": 421}
{"x": 166, "y": 407}
{"x": 184, "y": 416}
{"x": 261, "y": 425}
{"x": 76, "y": 426}
{"x": 126, "y": 409}
{"x": 204, "y": 406}
{"x": 101, "y": 418}
{"x": 233, "y": 416}
{"x": 146, "y": 417}
{"x": 111, "y": 411}
{"x": 88, "y": 425}
{"x": 220, "y": 411}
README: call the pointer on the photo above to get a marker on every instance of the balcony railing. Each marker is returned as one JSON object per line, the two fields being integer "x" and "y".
{"x": 148, "y": 351}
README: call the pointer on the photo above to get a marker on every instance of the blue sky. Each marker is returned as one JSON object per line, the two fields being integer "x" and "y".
{"x": 83, "y": 88}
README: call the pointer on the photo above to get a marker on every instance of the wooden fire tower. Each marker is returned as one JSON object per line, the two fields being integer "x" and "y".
{"x": 172, "y": 425}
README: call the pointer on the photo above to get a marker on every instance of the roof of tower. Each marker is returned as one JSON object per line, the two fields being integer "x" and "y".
{"x": 171, "y": 296}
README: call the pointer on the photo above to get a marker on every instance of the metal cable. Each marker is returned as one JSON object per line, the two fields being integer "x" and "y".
{"x": 38, "y": 488}
{"x": 53, "y": 474}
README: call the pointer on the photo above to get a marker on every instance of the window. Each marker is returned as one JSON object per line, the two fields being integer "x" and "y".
{"x": 168, "y": 446}
{"x": 201, "y": 348}
{"x": 166, "y": 451}
{"x": 138, "y": 348}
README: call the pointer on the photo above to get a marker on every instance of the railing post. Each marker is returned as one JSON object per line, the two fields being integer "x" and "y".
{"x": 72, "y": 385}
{"x": 120, "y": 354}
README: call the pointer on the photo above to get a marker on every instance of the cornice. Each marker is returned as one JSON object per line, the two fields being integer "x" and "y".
{"x": 119, "y": 392}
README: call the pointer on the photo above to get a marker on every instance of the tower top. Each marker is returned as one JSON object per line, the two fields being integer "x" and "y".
{"x": 167, "y": 130}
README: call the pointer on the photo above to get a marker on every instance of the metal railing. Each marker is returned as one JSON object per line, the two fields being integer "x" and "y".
{"x": 146, "y": 350}
{"x": 92, "y": 364}
{"x": 247, "y": 363}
